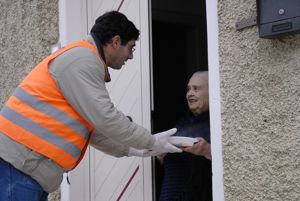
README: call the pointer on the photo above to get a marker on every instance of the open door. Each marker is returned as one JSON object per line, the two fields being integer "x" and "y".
{"x": 179, "y": 48}
{"x": 125, "y": 178}
{"x": 101, "y": 177}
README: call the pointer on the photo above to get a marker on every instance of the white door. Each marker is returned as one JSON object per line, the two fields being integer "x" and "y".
{"x": 100, "y": 177}
{"x": 113, "y": 179}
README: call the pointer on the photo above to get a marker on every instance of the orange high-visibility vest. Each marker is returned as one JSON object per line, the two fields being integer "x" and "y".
{"x": 38, "y": 116}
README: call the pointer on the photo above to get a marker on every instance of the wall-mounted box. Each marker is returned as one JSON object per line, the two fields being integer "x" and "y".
{"x": 278, "y": 17}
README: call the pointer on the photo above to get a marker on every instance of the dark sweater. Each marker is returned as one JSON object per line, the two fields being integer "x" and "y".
{"x": 188, "y": 177}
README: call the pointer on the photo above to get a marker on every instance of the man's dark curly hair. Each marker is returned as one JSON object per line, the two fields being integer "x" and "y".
{"x": 114, "y": 23}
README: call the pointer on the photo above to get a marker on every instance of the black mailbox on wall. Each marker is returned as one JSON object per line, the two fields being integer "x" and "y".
{"x": 278, "y": 17}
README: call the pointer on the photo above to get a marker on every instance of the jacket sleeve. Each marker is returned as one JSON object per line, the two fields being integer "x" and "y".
{"x": 79, "y": 75}
{"x": 109, "y": 146}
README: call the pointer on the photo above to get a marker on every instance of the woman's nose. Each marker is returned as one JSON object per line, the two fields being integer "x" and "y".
{"x": 189, "y": 93}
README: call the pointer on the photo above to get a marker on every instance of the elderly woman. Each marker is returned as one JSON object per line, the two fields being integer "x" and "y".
{"x": 187, "y": 175}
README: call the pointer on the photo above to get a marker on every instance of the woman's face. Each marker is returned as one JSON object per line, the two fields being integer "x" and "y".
{"x": 197, "y": 94}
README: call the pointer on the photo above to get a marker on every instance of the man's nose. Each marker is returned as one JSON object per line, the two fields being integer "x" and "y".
{"x": 130, "y": 56}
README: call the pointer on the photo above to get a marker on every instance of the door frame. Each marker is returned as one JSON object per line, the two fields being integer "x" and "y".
{"x": 214, "y": 89}
{"x": 214, "y": 98}
{"x": 70, "y": 11}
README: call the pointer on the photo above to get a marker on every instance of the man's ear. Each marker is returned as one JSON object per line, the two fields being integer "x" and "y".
{"x": 116, "y": 41}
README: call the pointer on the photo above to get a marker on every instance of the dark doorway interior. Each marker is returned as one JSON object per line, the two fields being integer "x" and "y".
{"x": 179, "y": 48}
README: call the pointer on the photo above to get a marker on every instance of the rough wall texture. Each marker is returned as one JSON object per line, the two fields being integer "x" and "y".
{"x": 260, "y": 94}
{"x": 28, "y": 28}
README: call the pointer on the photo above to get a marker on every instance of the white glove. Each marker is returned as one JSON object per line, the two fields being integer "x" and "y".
{"x": 162, "y": 144}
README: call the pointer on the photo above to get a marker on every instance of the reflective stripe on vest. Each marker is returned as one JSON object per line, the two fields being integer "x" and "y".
{"x": 39, "y": 117}
{"x": 40, "y": 131}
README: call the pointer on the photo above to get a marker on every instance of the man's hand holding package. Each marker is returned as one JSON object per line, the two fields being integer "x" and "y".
{"x": 161, "y": 145}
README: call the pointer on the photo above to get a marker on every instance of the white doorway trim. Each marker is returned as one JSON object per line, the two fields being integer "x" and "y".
{"x": 64, "y": 187}
{"x": 214, "y": 98}
{"x": 214, "y": 87}
{"x": 73, "y": 27}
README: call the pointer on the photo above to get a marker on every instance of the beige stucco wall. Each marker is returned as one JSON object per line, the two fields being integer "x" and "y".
{"x": 260, "y": 99}
{"x": 28, "y": 28}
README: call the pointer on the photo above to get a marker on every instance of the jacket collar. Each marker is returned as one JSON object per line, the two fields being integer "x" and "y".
{"x": 94, "y": 39}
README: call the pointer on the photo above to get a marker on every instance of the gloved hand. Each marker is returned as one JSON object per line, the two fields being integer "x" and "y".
{"x": 162, "y": 145}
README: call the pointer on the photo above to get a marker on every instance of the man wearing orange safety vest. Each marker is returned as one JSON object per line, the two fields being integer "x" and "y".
{"x": 62, "y": 105}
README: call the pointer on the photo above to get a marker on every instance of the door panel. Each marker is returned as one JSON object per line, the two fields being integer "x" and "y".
{"x": 112, "y": 178}
{"x": 100, "y": 177}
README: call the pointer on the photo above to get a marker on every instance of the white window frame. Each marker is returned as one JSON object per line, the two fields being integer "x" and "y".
{"x": 214, "y": 98}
